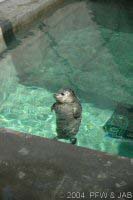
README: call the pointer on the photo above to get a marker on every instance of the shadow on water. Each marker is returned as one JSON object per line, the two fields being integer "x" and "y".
{"x": 71, "y": 50}
{"x": 120, "y": 127}
{"x": 113, "y": 15}
{"x": 116, "y": 28}
{"x": 8, "y": 34}
{"x": 126, "y": 148}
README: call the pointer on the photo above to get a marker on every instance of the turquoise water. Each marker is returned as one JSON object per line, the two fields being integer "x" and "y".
{"x": 74, "y": 47}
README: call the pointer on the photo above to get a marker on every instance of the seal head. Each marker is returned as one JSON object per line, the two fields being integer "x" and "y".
{"x": 65, "y": 96}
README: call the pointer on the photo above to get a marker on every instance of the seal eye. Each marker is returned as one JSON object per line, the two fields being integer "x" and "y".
{"x": 62, "y": 94}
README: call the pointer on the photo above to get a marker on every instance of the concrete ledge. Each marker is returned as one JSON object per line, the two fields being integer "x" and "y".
{"x": 21, "y": 13}
{"x": 36, "y": 168}
{"x": 2, "y": 42}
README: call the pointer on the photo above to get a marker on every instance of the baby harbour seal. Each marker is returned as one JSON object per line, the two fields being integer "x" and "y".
{"x": 68, "y": 114}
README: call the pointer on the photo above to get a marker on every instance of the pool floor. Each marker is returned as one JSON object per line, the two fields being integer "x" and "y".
{"x": 29, "y": 110}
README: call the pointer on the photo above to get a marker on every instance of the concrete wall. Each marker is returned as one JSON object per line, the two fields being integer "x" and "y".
{"x": 2, "y": 42}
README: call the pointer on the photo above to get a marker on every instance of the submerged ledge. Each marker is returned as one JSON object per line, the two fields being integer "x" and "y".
{"x": 17, "y": 15}
{"x": 32, "y": 167}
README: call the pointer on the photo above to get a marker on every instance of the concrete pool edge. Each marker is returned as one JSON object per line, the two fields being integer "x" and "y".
{"x": 32, "y": 167}
{"x": 17, "y": 15}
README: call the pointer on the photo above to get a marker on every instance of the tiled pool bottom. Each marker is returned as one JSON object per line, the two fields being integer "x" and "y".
{"x": 28, "y": 110}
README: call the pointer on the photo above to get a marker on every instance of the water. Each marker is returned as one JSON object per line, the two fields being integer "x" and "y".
{"x": 78, "y": 46}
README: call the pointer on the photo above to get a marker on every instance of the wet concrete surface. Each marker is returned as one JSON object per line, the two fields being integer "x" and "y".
{"x": 35, "y": 168}
{"x": 21, "y": 13}
{"x": 16, "y": 15}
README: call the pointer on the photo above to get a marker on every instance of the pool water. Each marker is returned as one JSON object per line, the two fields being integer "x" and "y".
{"x": 74, "y": 47}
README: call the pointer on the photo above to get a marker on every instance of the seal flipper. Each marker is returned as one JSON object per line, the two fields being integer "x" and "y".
{"x": 77, "y": 112}
{"x": 73, "y": 140}
{"x": 53, "y": 107}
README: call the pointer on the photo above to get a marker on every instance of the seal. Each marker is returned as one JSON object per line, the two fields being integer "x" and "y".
{"x": 68, "y": 112}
